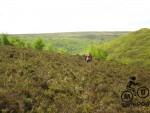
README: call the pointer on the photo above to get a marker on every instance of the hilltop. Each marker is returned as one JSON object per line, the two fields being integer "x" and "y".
{"x": 133, "y": 48}
{"x": 33, "y": 81}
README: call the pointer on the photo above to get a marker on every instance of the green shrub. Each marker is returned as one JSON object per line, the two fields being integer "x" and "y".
{"x": 50, "y": 47}
{"x": 98, "y": 52}
{"x": 38, "y": 44}
{"x": 4, "y": 39}
{"x": 17, "y": 42}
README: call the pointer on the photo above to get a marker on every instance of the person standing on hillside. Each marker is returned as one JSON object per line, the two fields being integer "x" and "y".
{"x": 88, "y": 57}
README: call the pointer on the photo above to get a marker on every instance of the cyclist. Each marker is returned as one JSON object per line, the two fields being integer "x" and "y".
{"x": 131, "y": 83}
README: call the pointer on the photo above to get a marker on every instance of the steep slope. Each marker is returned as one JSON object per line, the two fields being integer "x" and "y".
{"x": 133, "y": 48}
{"x": 40, "y": 82}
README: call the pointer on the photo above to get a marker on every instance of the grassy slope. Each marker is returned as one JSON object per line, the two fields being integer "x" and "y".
{"x": 133, "y": 48}
{"x": 39, "y": 82}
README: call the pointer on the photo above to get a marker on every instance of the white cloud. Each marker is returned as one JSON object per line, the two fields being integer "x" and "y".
{"x": 36, "y": 16}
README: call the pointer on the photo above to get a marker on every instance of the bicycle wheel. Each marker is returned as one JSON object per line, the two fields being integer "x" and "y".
{"x": 126, "y": 96}
{"x": 143, "y": 92}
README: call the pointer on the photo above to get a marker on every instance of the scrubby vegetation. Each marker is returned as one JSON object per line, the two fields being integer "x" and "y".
{"x": 133, "y": 48}
{"x": 58, "y": 80}
{"x": 68, "y": 43}
{"x": 33, "y": 81}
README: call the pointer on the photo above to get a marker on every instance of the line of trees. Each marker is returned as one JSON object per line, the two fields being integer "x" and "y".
{"x": 19, "y": 42}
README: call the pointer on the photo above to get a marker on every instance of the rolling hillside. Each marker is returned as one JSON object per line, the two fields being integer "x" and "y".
{"x": 133, "y": 48}
{"x": 33, "y": 81}
{"x": 69, "y": 42}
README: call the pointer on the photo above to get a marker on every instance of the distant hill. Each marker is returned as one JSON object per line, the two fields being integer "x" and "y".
{"x": 133, "y": 48}
{"x": 89, "y": 35}
{"x": 71, "y": 42}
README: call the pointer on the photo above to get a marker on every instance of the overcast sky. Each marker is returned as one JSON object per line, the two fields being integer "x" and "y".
{"x": 44, "y": 16}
